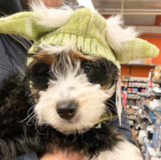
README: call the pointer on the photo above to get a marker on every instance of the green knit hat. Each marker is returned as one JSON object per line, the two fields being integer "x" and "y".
{"x": 88, "y": 31}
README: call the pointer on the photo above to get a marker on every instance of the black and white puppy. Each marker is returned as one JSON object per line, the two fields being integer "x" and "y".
{"x": 57, "y": 103}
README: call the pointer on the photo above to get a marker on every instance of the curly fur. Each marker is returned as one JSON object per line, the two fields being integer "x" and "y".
{"x": 18, "y": 137}
{"x": 14, "y": 104}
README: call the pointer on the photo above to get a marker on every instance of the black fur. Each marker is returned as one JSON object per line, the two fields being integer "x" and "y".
{"x": 39, "y": 75}
{"x": 17, "y": 136}
{"x": 15, "y": 101}
{"x": 101, "y": 71}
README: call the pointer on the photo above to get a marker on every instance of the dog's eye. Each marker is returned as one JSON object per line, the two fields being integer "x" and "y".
{"x": 87, "y": 68}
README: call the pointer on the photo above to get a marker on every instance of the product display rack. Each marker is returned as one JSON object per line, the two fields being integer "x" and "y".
{"x": 132, "y": 86}
{"x": 140, "y": 65}
{"x": 153, "y": 107}
{"x": 133, "y": 90}
{"x": 146, "y": 115}
{"x": 155, "y": 94}
{"x": 157, "y": 81}
{"x": 128, "y": 80}
{"x": 145, "y": 111}
{"x": 144, "y": 118}
{"x": 157, "y": 113}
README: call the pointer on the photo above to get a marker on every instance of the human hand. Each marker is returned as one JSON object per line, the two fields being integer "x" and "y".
{"x": 58, "y": 155}
{"x": 53, "y": 3}
{"x": 48, "y": 3}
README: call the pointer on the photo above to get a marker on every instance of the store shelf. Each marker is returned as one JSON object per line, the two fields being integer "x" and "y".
{"x": 132, "y": 98}
{"x": 143, "y": 94}
{"x": 157, "y": 113}
{"x": 147, "y": 116}
{"x": 131, "y": 114}
{"x": 134, "y": 119}
{"x": 139, "y": 93}
{"x": 133, "y": 125}
{"x": 132, "y": 92}
{"x": 138, "y": 119}
{"x": 126, "y": 80}
{"x": 133, "y": 87}
{"x": 157, "y": 81}
{"x": 140, "y": 65}
{"x": 155, "y": 94}
{"x": 147, "y": 105}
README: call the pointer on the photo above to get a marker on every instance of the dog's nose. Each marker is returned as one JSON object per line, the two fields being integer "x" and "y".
{"x": 66, "y": 109}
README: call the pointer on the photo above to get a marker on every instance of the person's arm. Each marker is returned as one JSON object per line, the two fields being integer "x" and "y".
{"x": 124, "y": 129}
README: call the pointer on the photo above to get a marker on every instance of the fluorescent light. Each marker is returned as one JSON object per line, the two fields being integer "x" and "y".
{"x": 86, "y": 3}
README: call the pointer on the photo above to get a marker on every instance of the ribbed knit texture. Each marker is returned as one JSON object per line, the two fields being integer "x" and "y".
{"x": 85, "y": 29}
{"x": 136, "y": 49}
{"x": 24, "y": 24}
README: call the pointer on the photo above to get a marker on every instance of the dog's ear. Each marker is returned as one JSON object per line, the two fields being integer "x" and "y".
{"x": 35, "y": 24}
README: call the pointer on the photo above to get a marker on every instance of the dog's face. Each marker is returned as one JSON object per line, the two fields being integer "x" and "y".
{"x": 73, "y": 88}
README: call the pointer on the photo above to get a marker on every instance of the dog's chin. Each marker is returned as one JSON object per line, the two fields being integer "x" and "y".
{"x": 73, "y": 127}
{"x": 77, "y": 125}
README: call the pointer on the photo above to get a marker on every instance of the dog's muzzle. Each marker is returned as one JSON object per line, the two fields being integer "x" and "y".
{"x": 66, "y": 109}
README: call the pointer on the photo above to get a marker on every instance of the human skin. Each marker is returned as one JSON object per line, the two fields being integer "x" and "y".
{"x": 53, "y": 3}
{"x": 48, "y": 3}
{"x": 58, "y": 155}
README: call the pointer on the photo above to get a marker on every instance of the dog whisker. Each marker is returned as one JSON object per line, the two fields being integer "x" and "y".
{"x": 28, "y": 112}
{"x": 112, "y": 102}
{"x": 27, "y": 123}
{"x": 113, "y": 110}
{"x": 111, "y": 105}
{"x": 68, "y": 72}
{"x": 31, "y": 114}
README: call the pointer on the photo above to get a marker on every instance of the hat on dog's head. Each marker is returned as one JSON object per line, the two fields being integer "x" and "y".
{"x": 88, "y": 31}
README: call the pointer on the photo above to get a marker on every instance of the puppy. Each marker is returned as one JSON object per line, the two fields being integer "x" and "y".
{"x": 57, "y": 103}
{"x": 62, "y": 101}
